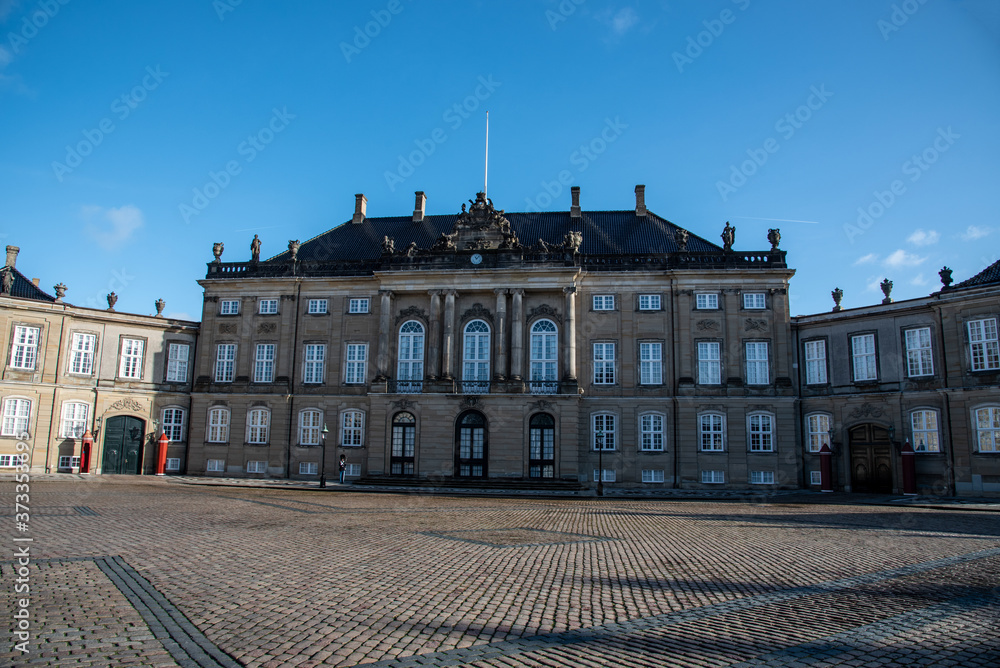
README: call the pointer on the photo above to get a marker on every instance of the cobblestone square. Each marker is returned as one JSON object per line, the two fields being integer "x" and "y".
{"x": 154, "y": 572}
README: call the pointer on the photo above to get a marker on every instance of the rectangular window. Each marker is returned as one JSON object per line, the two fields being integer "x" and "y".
{"x": 263, "y": 367}
{"x": 357, "y": 355}
{"x": 711, "y": 431}
{"x": 177, "y": 362}
{"x": 604, "y": 302}
{"x": 709, "y": 363}
{"x": 256, "y": 467}
{"x": 309, "y": 427}
{"x": 705, "y": 300}
{"x": 173, "y": 424}
{"x": 131, "y": 361}
{"x": 268, "y": 306}
{"x": 651, "y": 427}
{"x": 225, "y": 362}
{"x": 815, "y": 478}
{"x": 315, "y": 359}
{"x": 173, "y": 463}
{"x": 218, "y": 425}
{"x": 308, "y": 468}
{"x": 24, "y": 352}
{"x": 352, "y": 471}
{"x": 818, "y": 427}
{"x": 359, "y": 305}
{"x": 815, "y": 362}
{"x": 754, "y": 300}
{"x": 609, "y": 475}
{"x": 919, "y": 361}
{"x": 988, "y": 429}
{"x": 761, "y": 433}
{"x": 15, "y": 417}
{"x": 761, "y": 477}
{"x": 984, "y": 348}
{"x": 651, "y": 363}
{"x": 318, "y": 306}
{"x": 652, "y": 475}
{"x": 863, "y": 354}
{"x": 757, "y": 369}
{"x": 10, "y": 461}
{"x": 74, "y": 419}
{"x": 258, "y": 425}
{"x": 216, "y": 465}
{"x": 604, "y": 364}
{"x": 68, "y": 461}
{"x": 649, "y": 302}
{"x": 925, "y": 431}
{"x": 353, "y": 431}
{"x": 229, "y": 307}
{"x": 82, "y": 354}
{"x": 604, "y": 431}
{"x": 713, "y": 477}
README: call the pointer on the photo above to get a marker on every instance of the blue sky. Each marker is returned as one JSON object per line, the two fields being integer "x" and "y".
{"x": 134, "y": 135}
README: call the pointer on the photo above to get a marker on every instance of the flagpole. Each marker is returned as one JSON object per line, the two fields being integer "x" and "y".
{"x": 486, "y": 172}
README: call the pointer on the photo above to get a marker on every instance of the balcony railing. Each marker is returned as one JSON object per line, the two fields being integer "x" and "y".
{"x": 405, "y": 386}
{"x": 543, "y": 386}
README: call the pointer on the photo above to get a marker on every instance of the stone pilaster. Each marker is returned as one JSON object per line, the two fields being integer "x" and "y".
{"x": 448, "y": 339}
{"x": 434, "y": 337}
{"x": 569, "y": 331}
{"x": 384, "y": 327}
{"x": 517, "y": 335}
{"x": 500, "y": 370}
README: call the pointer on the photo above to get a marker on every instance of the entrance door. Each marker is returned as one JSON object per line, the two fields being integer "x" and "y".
{"x": 871, "y": 459}
{"x": 123, "y": 436}
{"x": 541, "y": 446}
{"x": 471, "y": 448}
{"x": 404, "y": 437}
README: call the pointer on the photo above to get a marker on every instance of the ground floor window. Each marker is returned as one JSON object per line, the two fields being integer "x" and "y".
{"x": 652, "y": 475}
{"x": 68, "y": 461}
{"x": 308, "y": 468}
{"x": 541, "y": 449}
{"x": 173, "y": 464}
{"x": 713, "y": 477}
{"x": 216, "y": 465}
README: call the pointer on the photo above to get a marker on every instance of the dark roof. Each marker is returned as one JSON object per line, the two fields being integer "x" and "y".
{"x": 987, "y": 276}
{"x": 25, "y": 289}
{"x": 604, "y": 233}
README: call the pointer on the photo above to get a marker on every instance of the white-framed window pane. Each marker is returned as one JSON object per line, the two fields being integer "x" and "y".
{"x": 815, "y": 362}
{"x": 761, "y": 434}
{"x": 24, "y": 350}
{"x": 761, "y": 477}
{"x": 268, "y": 306}
{"x": 173, "y": 423}
{"x": 357, "y": 357}
{"x": 308, "y": 468}
{"x": 604, "y": 363}
{"x": 173, "y": 464}
{"x": 68, "y": 461}
{"x": 310, "y": 424}
{"x": 256, "y": 467}
{"x": 649, "y": 302}
{"x": 709, "y": 363}
{"x": 815, "y": 478}
{"x": 988, "y": 429}
{"x": 352, "y": 429}
{"x": 82, "y": 356}
{"x": 754, "y": 300}
{"x": 352, "y": 471}
{"x": 74, "y": 419}
{"x": 603, "y": 433}
{"x": 818, "y": 428}
{"x": 984, "y": 347}
{"x": 16, "y": 413}
{"x": 263, "y": 369}
{"x": 225, "y": 362}
{"x": 318, "y": 306}
{"x": 218, "y": 425}
{"x": 358, "y": 305}
{"x": 652, "y": 475}
{"x": 925, "y": 431}
{"x": 713, "y": 477}
{"x": 229, "y": 306}
{"x": 410, "y": 364}
{"x": 131, "y": 359}
{"x": 258, "y": 421}
{"x": 707, "y": 300}
{"x": 651, "y": 363}
{"x": 544, "y": 356}
{"x": 216, "y": 465}
{"x": 711, "y": 432}
{"x": 604, "y": 302}
{"x": 177, "y": 362}
{"x": 609, "y": 475}
{"x": 919, "y": 361}
{"x": 757, "y": 366}
{"x": 10, "y": 461}
{"x": 863, "y": 354}
{"x": 651, "y": 431}
{"x": 314, "y": 360}
{"x": 476, "y": 357}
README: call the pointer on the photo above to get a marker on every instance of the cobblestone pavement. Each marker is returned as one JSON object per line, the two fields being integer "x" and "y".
{"x": 147, "y": 572}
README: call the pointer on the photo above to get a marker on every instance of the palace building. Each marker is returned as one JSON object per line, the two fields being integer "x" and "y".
{"x": 554, "y": 349}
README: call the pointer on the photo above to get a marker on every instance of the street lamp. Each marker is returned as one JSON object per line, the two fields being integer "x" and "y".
{"x": 322, "y": 475}
{"x": 600, "y": 462}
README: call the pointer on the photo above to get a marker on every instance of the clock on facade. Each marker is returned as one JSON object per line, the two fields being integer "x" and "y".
{"x": 477, "y": 258}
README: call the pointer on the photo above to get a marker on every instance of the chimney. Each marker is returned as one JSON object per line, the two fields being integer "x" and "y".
{"x": 360, "y": 207}
{"x": 640, "y": 201}
{"x": 574, "y": 210}
{"x": 35, "y": 282}
{"x": 420, "y": 208}
{"x": 12, "y": 252}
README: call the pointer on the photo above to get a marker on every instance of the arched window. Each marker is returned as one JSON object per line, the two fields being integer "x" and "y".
{"x": 352, "y": 429}
{"x": 544, "y": 355}
{"x": 74, "y": 419}
{"x": 310, "y": 423}
{"x": 925, "y": 431}
{"x": 760, "y": 427}
{"x": 173, "y": 423}
{"x": 404, "y": 438}
{"x": 476, "y": 366}
{"x": 818, "y": 428}
{"x": 218, "y": 425}
{"x": 471, "y": 451}
{"x": 258, "y": 424}
{"x": 987, "y": 422}
{"x": 541, "y": 449}
{"x": 712, "y": 432}
{"x": 651, "y": 430}
{"x": 604, "y": 430}
{"x": 410, "y": 369}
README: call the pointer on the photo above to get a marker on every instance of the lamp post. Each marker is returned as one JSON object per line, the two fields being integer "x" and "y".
{"x": 600, "y": 462}
{"x": 322, "y": 475}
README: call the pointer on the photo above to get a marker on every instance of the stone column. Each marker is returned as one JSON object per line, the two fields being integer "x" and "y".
{"x": 517, "y": 335}
{"x": 500, "y": 371}
{"x": 434, "y": 337}
{"x": 384, "y": 325}
{"x": 569, "y": 357}
{"x": 448, "y": 340}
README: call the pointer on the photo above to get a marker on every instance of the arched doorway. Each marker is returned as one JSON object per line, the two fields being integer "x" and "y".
{"x": 871, "y": 459}
{"x": 471, "y": 445}
{"x": 123, "y": 436}
{"x": 404, "y": 437}
{"x": 541, "y": 446}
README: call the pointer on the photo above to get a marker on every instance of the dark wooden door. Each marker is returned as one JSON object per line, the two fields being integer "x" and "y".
{"x": 871, "y": 460}
{"x": 123, "y": 436}
{"x": 471, "y": 447}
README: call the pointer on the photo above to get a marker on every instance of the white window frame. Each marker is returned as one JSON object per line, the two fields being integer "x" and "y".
{"x": 604, "y": 363}
{"x": 817, "y": 431}
{"x": 173, "y": 464}
{"x": 225, "y": 362}
{"x": 758, "y": 362}
{"x": 653, "y": 475}
{"x": 178, "y": 355}
{"x": 815, "y": 354}
{"x": 24, "y": 350}
{"x": 652, "y": 432}
{"x": 984, "y": 348}
{"x": 258, "y": 425}
{"x": 476, "y": 347}
{"x": 74, "y": 419}
{"x": 69, "y": 461}
{"x": 924, "y": 429}
{"x": 410, "y": 356}
{"x": 544, "y": 373}
{"x": 607, "y": 424}
{"x": 706, "y": 301}
{"x": 215, "y": 466}
{"x": 359, "y": 305}
{"x": 712, "y": 438}
{"x": 760, "y": 432}
{"x": 649, "y": 302}
{"x": 267, "y": 307}
{"x": 259, "y": 466}
{"x": 16, "y": 416}
{"x": 713, "y": 477}
{"x": 310, "y": 426}
{"x": 174, "y": 426}
{"x": 919, "y": 355}
{"x": 815, "y": 477}
{"x": 217, "y": 425}
{"x": 864, "y": 358}
{"x": 761, "y": 477}
{"x": 84, "y": 347}
{"x": 314, "y": 363}
{"x": 650, "y": 363}
{"x": 10, "y": 461}
{"x": 352, "y": 471}
{"x": 608, "y": 475}
{"x": 318, "y": 307}
{"x": 755, "y": 301}
{"x": 131, "y": 362}
{"x": 229, "y": 307}
{"x": 355, "y": 368}
{"x": 986, "y": 421}
{"x": 308, "y": 468}
{"x": 603, "y": 302}
{"x": 709, "y": 363}
{"x": 352, "y": 429}
{"x": 263, "y": 367}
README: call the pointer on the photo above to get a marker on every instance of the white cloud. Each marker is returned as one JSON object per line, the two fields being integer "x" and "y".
{"x": 901, "y": 258}
{"x": 874, "y": 283}
{"x": 178, "y": 315}
{"x": 866, "y": 259}
{"x": 919, "y": 280}
{"x": 623, "y": 21}
{"x": 973, "y": 232}
{"x": 922, "y": 238}
{"x": 111, "y": 227}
